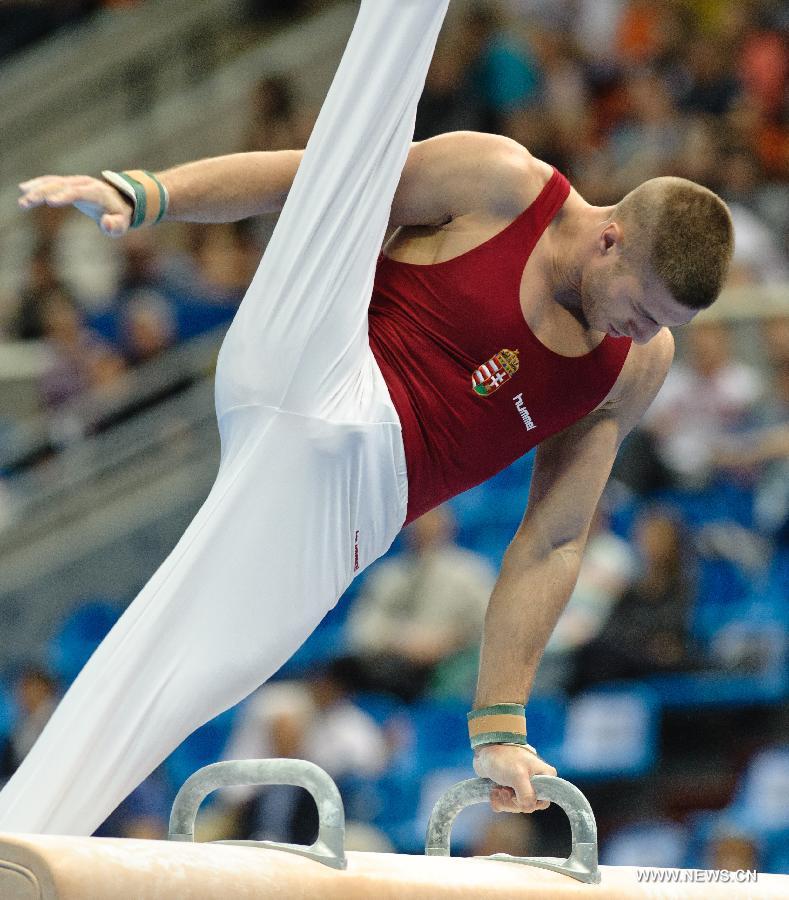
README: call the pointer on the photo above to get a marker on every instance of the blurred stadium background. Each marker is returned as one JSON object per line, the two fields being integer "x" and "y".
{"x": 665, "y": 693}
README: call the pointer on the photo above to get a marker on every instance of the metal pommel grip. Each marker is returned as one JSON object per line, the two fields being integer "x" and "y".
{"x": 329, "y": 848}
{"x": 581, "y": 864}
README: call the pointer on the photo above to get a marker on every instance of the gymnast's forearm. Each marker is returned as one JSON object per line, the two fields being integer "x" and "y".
{"x": 526, "y": 603}
{"x": 229, "y": 188}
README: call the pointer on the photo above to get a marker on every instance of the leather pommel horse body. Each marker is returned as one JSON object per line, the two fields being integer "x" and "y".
{"x": 49, "y": 867}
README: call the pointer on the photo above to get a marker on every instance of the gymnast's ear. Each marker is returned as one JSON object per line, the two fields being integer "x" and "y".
{"x": 610, "y": 240}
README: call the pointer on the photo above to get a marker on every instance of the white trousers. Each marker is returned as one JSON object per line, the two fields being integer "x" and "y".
{"x": 311, "y": 486}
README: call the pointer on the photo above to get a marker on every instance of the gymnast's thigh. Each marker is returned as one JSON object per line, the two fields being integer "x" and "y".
{"x": 307, "y": 502}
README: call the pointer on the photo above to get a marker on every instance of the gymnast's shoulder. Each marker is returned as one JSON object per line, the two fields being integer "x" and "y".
{"x": 461, "y": 172}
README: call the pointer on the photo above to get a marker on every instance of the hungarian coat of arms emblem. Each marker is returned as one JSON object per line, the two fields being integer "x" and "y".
{"x": 498, "y": 370}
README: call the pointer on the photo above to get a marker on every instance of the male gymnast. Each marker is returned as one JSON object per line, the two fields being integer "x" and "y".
{"x": 357, "y": 389}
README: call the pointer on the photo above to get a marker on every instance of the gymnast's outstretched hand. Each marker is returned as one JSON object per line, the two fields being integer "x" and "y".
{"x": 511, "y": 767}
{"x": 96, "y": 199}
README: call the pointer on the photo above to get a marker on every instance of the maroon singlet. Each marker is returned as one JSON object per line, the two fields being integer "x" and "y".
{"x": 473, "y": 386}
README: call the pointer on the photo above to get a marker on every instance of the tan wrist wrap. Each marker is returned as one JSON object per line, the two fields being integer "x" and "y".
{"x": 147, "y": 194}
{"x": 503, "y": 723}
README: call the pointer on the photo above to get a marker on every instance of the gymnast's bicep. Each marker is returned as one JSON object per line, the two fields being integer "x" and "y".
{"x": 456, "y": 174}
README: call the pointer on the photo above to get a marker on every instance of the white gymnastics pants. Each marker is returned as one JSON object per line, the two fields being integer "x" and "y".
{"x": 312, "y": 483}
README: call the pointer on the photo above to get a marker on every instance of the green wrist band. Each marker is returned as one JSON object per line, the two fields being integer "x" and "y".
{"x": 502, "y": 723}
{"x": 147, "y": 194}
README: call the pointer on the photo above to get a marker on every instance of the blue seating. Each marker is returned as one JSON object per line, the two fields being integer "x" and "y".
{"x": 722, "y": 500}
{"x": 701, "y": 826}
{"x": 79, "y": 635}
{"x": 201, "y": 748}
{"x": 775, "y": 856}
{"x": 545, "y": 717}
{"x": 441, "y": 733}
{"x": 7, "y": 711}
{"x": 392, "y": 799}
{"x": 382, "y": 708}
{"x": 705, "y": 689}
{"x": 611, "y": 732}
{"x": 489, "y": 540}
{"x": 651, "y": 843}
{"x": 722, "y": 592}
{"x": 327, "y": 642}
{"x": 764, "y": 645}
{"x": 759, "y": 802}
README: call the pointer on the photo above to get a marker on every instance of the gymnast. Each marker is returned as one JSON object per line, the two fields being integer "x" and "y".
{"x": 361, "y": 385}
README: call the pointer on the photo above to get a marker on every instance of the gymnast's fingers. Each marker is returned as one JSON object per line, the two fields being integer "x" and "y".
{"x": 54, "y": 190}
{"x": 540, "y": 767}
{"x": 503, "y": 799}
{"x": 114, "y": 225}
{"x": 525, "y": 797}
{"x": 36, "y": 190}
{"x": 94, "y": 198}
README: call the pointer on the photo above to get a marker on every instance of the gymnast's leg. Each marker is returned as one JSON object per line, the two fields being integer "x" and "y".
{"x": 271, "y": 549}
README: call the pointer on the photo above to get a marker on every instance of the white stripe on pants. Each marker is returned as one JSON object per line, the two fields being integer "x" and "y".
{"x": 312, "y": 470}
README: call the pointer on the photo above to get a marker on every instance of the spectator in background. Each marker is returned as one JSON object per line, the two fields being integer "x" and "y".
{"x": 279, "y": 119}
{"x": 82, "y": 360}
{"x": 641, "y": 32}
{"x": 731, "y": 849}
{"x": 758, "y": 256}
{"x": 481, "y": 73}
{"x": 742, "y": 180}
{"x": 315, "y": 720}
{"x": 702, "y": 401}
{"x": 760, "y": 212}
{"x": 712, "y": 86}
{"x": 648, "y": 629}
{"x": 760, "y": 455}
{"x": 144, "y": 814}
{"x": 147, "y": 324}
{"x": 775, "y": 338}
{"x": 148, "y": 327}
{"x": 608, "y": 568}
{"x": 418, "y": 622}
{"x": 564, "y": 91}
{"x": 36, "y": 697}
{"x": 650, "y": 137}
{"x": 218, "y": 265}
{"x": 75, "y": 257}
{"x": 503, "y": 69}
{"x": 42, "y": 281}
{"x": 449, "y": 101}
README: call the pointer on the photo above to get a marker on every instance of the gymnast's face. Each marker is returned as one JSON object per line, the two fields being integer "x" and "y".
{"x": 623, "y": 301}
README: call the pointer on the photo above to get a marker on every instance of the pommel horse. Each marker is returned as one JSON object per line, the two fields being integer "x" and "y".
{"x": 48, "y": 867}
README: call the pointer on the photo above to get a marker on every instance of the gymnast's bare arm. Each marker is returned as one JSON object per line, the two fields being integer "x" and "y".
{"x": 541, "y": 565}
{"x": 444, "y": 177}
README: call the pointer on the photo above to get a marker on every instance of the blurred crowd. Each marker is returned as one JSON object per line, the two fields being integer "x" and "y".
{"x": 618, "y": 91}
{"x": 24, "y": 23}
{"x": 684, "y": 584}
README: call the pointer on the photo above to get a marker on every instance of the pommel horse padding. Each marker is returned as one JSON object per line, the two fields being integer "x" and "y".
{"x": 48, "y": 867}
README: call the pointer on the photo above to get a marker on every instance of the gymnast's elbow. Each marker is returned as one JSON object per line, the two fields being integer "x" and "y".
{"x": 530, "y": 548}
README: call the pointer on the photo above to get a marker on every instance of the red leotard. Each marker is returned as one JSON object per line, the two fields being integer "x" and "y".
{"x": 468, "y": 409}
